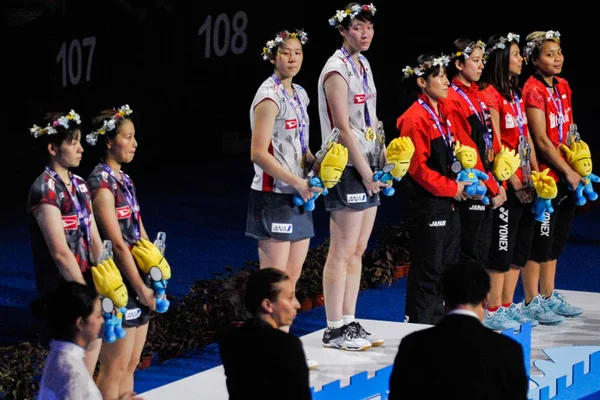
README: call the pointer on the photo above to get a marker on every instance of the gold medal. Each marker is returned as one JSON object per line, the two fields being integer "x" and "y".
{"x": 370, "y": 133}
{"x": 303, "y": 161}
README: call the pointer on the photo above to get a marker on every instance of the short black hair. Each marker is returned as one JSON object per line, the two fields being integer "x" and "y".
{"x": 62, "y": 307}
{"x": 62, "y": 134}
{"x": 465, "y": 283}
{"x": 411, "y": 87}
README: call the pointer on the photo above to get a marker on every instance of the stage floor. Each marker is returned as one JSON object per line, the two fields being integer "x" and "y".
{"x": 335, "y": 364}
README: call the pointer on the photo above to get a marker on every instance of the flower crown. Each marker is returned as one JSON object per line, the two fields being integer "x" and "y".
{"x": 530, "y": 46}
{"x": 501, "y": 44}
{"x": 109, "y": 124}
{"x": 442, "y": 61}
{"x": 356, "y": 9}
{"x": 280, "y": 38}
{"x": 469, "y": 49}
{"x": 50, "y": 129}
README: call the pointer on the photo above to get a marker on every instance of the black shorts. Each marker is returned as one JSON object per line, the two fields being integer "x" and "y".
{"x": 137, "y": 314}
{"x": 274, "y": 215}
{"x": 350, "y": 193}
{"x": 550, "y": 236}
{"x": 512, "y": 234}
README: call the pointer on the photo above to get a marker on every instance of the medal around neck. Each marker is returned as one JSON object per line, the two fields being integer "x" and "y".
{"x": 370, "y": 134}
{"x": 456, "y": 167}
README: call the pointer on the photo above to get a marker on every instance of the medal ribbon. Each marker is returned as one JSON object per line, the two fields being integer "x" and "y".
{"x": 127, "y": 188}
{"x": 556, "y": 99}
{"x": 448, "y": 137}
{"x": 296, "y": 104}
{"x": 365, "y": 82}
{"x": 525, "y": 166}
{"x": 82, "y": 212}
{"x": 487, "y": 135}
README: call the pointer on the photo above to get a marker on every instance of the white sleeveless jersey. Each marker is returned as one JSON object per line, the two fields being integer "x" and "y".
{"x": 285, "y": 141}
{"x": 356, "y": 102}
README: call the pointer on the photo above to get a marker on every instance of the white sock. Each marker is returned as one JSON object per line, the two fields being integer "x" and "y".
{"x": 348, "y": 319}
{"x": 335, "y": 324}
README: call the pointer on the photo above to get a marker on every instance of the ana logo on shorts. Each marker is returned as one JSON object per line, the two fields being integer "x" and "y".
{"x": 133, "y": 314}
{"x": 282, "y": 228}
{"x": 356, "y": 198}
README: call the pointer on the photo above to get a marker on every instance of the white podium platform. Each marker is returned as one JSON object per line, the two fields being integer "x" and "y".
{"x": 333, "y": 364}
{"x": 341, "y": 365}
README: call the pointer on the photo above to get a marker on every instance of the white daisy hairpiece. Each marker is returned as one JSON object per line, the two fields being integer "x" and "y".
{"x": 469, "y": 49}
{"x": 501, "y": 44}
{"x": 419, "y": 70}
{"x": 356, "y": 9}
{"x": 530, "y": 46}
{"x": 109, "y": 124}
{"x": 50, "y": 129}
{"x": 280, "y": 38}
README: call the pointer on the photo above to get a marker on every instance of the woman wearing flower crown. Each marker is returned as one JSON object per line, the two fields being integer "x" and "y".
{"x": 118, "y": 213}
{"x": 347, "y": 100}
{"x": 512, "y": 229}
{"x": 474, "y": 128}
{"x": 430, "y": 188}
{"x": 64, "y": 236}
{"x": 280, "y": 153}
{"x": 549, "y": 111}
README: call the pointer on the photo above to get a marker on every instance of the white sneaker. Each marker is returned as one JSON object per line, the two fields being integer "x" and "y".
{"x": 375, "y": 340}
{"x": 345, "y": 338}
{"x": 312, "y": 364}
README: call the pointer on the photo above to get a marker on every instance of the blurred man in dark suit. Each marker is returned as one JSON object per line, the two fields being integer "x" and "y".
{"x": 459, "y": 358}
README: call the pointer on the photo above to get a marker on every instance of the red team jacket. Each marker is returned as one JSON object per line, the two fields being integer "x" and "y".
{"x": 536, "y": 94}
{"x": 469, "y": 128}
{"x": 429, "y": 186}
{"x": 509, "y": 129}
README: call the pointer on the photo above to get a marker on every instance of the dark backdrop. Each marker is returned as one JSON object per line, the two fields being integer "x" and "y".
{"x": 189, "y": 69}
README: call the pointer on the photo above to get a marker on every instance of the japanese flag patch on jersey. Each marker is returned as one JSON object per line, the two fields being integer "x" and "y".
{"x": 509, "y": 121}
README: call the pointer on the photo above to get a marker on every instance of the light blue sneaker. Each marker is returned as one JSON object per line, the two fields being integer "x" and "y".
{"x": 559, "y": 304}
{"x": 500, "y": 320}
{"x": 515, "y": 313}
{"x": 537, "y": 309}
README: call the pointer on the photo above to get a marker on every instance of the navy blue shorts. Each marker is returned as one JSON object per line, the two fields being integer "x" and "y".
{"x": 350, "y": 193}
{"x": 137, "y": 314}
{"x": 274, "y": 215}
